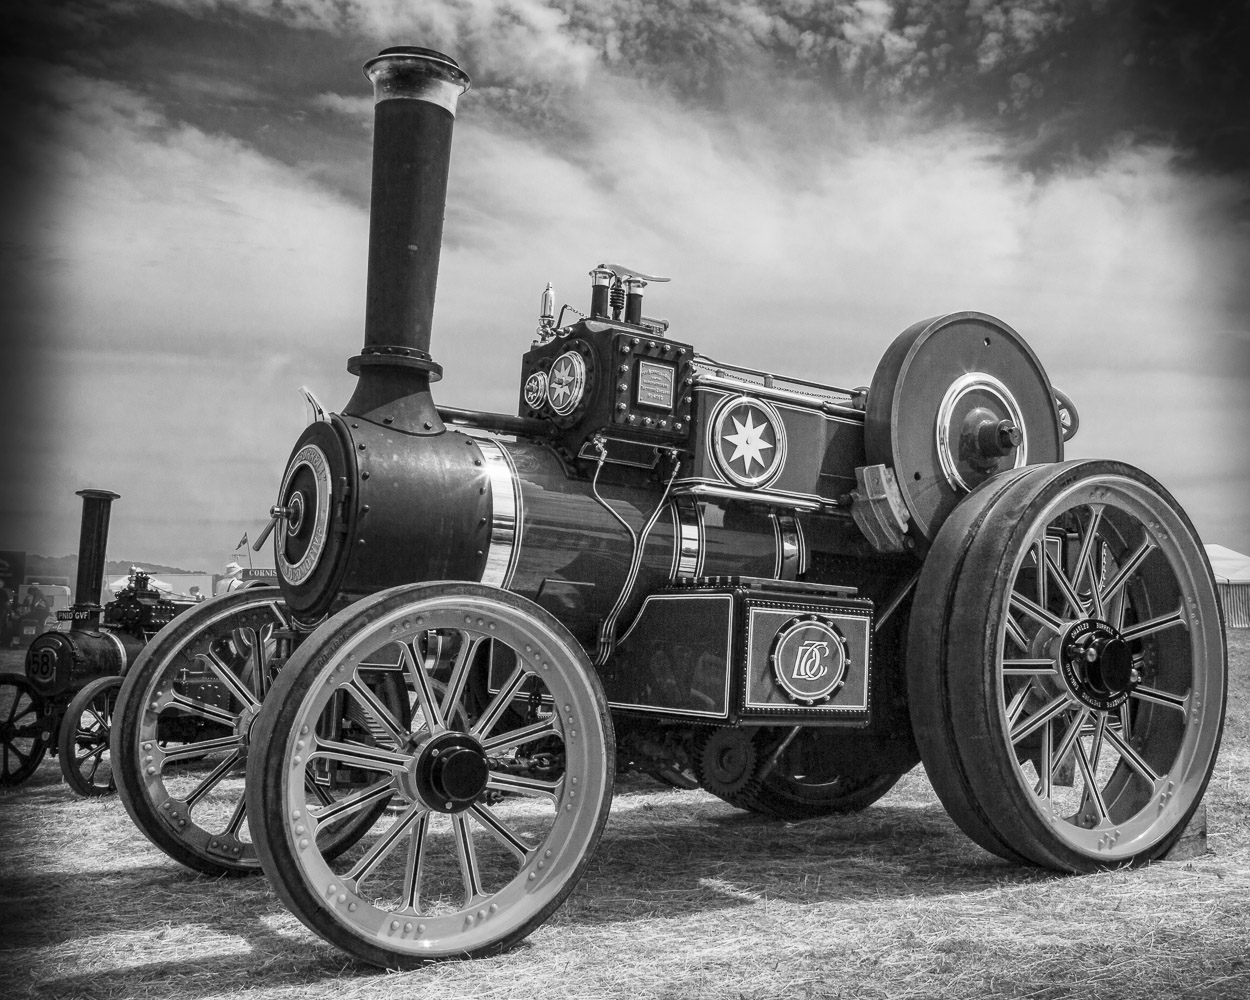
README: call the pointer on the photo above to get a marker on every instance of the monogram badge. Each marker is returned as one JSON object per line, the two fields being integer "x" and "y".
{"x": 809, "y": 659}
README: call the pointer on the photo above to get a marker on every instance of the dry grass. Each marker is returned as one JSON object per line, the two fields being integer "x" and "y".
{"x": 686, "y": 897}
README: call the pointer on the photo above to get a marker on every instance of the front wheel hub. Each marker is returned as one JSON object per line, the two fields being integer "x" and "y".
{"x": 1097, "y": 665}
{"x": 450, "y": 772}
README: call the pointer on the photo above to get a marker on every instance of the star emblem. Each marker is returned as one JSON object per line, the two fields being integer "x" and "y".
{"x": 566, "y": 383}
{"x": 561, "y": 381}
{"x": 749, "y": 441}
{"x": 749, "y": 444}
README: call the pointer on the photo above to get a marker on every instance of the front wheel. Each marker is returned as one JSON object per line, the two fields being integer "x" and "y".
{"x": 83, "y": 743}
{"x": 1067, "y": 668}
{"x": 23, "y": 738}
{"x": 500, "y": 787}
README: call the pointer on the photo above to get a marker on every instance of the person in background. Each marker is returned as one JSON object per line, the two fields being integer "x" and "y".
{"x": 6, "y": 611}
{"x": 196, "y": 594}
{"x": 232, "y": 580}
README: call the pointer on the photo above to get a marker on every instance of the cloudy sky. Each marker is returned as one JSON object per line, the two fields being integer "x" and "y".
{"x": 185, "y": 224}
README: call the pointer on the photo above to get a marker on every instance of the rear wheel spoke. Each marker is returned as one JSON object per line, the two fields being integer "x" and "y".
{"x": 1165, "y": 698}
{"x": 1134, "y": 760}
{"x": 1140, "y": 631}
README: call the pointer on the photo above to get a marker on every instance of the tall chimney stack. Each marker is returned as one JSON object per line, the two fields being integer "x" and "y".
{"x": 415, "y": 91}
{"x": 92, "y": 543}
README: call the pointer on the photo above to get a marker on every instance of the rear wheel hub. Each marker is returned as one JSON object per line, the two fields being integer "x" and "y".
{"x": 1097, "y": 665}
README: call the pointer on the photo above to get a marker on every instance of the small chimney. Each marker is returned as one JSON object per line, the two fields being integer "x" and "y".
{"x": 92, "y": 543}
{"x": 415, "y": 92}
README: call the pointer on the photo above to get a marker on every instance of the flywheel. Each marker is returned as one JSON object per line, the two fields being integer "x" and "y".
{"x": 955, "y": 400}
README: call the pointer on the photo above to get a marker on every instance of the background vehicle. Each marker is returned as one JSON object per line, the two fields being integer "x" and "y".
{"x": 64, "y": 703}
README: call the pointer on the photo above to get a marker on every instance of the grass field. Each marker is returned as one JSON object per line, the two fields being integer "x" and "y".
{"x": 686, "y": 897}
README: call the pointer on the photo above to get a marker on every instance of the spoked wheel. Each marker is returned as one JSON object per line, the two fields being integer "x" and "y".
{"x": 83, "y": 742}
{"x": 184, "y": 723}
{"x": 498, "y": 819}
{"x": 1067, "y": 668}
{"x": 799, "y": 781}
{"x": 23, "y": 741}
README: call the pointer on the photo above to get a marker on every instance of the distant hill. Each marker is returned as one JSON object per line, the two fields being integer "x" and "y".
{"x": 38, "y": 566}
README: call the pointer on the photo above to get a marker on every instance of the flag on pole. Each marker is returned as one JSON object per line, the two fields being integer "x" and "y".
{"x": 242, "y": 542}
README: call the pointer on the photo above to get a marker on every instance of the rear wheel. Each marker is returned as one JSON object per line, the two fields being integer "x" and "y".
{"x": 184, "y": 723}
{"x": 23, "y": 738}
{"x": 83, "y": 743}
{"x": 503, "y": 780}
{"x": 1073, "y": 666}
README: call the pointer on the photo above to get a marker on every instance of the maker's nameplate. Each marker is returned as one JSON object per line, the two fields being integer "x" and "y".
{"x": 655, "y": 385}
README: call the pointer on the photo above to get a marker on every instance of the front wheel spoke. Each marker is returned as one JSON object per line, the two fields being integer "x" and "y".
{"x": 353, "y": 803}
{"x": 502, "y": 832}
{"x": 415, "y": 868}
{"x": 365, "y": 866}
{"x": 1134, "y": 760}
{"x": 101, "y": 720}
{"x": 1030, "y": 668}
{"x": 212, "y": 779}
{"x": 229, "y": 678}
{"x": 1092, "y": 793}
{"x": 1165, "y": 698}
{"x": 1065, "y": 588}
{"x": 500, "y": 702}
{"x": 202, "y": 709}
{"x": 1130, "y": 567}
{"x": 1143, "y": 629}
{"x": 322, "y": 796}
{"x": 358, "y": 755}
{"x": 201, "y": 749}
{"x": 526, "y": 734}
{"x": 370, "y": 702}
{"x": 523, "y": 785}
{"x": 426, "y": 695}
{"x": 470, "y": 873}
{"x": 1040, "y": 615}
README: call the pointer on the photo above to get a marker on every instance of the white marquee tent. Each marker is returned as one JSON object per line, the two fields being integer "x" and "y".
{"x": 1232, "y": 580}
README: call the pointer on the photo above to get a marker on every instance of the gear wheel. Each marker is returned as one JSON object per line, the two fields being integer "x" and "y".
{"x": 725, "y": 760}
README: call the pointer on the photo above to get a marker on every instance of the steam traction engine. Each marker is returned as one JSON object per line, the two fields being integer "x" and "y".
{"x": 783, "y": 592}
{"x": 65, "y": 701}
